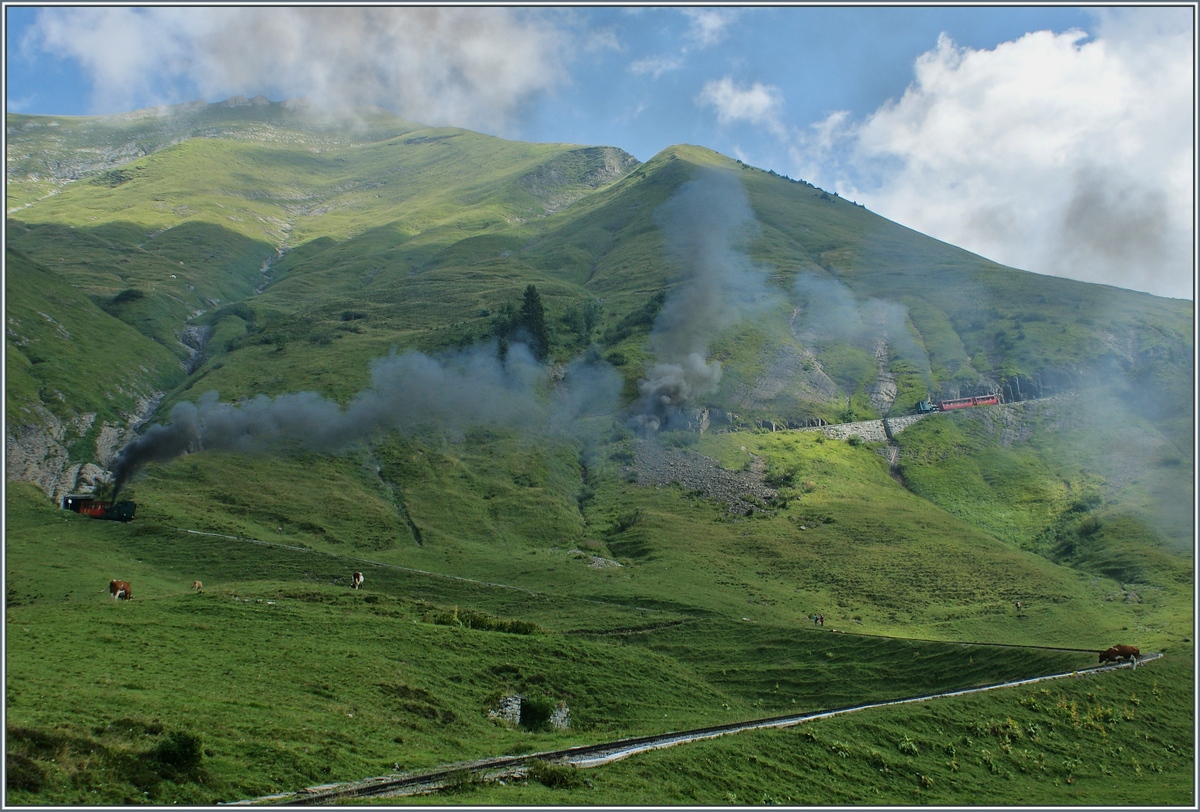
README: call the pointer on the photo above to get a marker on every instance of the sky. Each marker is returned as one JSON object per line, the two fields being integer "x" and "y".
{"x": 1056, "y": 139}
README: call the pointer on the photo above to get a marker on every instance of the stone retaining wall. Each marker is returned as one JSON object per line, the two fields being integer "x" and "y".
{"x": 871, "y": 431}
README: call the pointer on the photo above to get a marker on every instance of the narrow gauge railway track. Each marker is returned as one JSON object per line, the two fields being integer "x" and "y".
{"x": 594, "y": 755}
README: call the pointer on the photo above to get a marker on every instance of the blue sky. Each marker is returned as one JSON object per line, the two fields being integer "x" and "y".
{"x": 1054, "y": 139}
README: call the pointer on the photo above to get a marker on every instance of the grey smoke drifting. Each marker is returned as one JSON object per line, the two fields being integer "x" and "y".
{"x": 408, "y": 392}
{"x": 707, "y": 224}
{"x": 829, "y": 311}
{"x": 1118, "y": 230}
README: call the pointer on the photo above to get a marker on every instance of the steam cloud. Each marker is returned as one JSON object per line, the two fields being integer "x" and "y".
{"x": 707, "y": 223}
{"x": 407, "y": 392}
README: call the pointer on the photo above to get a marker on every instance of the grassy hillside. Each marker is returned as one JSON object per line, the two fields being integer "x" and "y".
{"x": 369, "y": 282}
{"x": 425, "y": 234}
{"x": 46, "y": 353}
{"x": 1086, "y": 742}
{"x": 161, "y": 713}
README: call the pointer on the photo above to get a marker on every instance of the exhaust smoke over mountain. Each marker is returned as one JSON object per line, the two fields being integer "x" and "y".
{"x": 408, "y": 392}
{"x": 707, "y": 224}
{"x": 829, "y": 311}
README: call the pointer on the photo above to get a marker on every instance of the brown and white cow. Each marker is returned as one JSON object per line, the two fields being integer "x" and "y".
{"x": 356, "y": 581}
{"x": 1116, "y": 653}
{"x": 120, "y": 589}
{"x": 197, "y": 586}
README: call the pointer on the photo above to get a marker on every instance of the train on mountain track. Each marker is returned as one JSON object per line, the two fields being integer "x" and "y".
{"x": 88, "y": 505}
{"x": 927, "y": 406}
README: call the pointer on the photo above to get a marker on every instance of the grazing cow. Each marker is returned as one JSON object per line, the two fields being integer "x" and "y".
{"x": 197, "y": 586}
{"x": 120, "y": 589}
{"x": 1116, "y": 653}
{"x": 356, "y": 581}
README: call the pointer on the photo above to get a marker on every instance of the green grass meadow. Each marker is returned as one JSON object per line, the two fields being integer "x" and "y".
{"x": 278, "y": 676}
{"x": 1121, "y": 739}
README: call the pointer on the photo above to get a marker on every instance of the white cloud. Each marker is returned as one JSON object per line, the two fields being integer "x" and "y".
{"x": 757, "y": 103}
{"x": 1055, "y": 152}
{"x": 464, "y": 66}
{"x": 656, "y": 66}
{"x": 706, "y": 26}
{"x": 604, "y": 39}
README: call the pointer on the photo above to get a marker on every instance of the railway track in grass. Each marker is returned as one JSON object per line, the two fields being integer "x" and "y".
{"x": 595, "y": 755}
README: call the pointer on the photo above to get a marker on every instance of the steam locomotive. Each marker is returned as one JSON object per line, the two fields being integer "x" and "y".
{"x": 88, "y": 505}
{"x": 925, "y": 406}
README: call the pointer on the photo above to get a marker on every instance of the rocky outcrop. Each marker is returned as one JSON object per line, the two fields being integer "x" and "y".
{"x": 566, "y": 178}
{"x": 195, "y": 338}
{"x": 1015, "y": 422}
{"x": 792, "y": 373}
{"x": 882, "y": 392}
{"x": 37, "y": 451}
{"x": 596, "y": 562}
{"x": 38, "y": 454}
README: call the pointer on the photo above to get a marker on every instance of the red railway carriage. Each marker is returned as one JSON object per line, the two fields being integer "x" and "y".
{"x": 966, "y": 403}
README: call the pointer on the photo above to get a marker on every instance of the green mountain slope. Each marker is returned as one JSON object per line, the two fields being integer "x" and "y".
{"x": 324, "y": 326}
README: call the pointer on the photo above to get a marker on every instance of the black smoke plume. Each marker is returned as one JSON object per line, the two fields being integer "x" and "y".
{"x": 707, "y": 224}
{"x": 408, "y": 392}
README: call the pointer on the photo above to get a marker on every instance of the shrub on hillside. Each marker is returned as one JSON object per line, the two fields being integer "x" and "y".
{"x": 627, "y": 520}
{"x": 178, "y": 755}
{"x": 555, "y": 776}
{"x": 783, "y": 477}
{"x": 480, "y": 621}
{"x": 126, "y": 296}
{"x": 536, "y": 712}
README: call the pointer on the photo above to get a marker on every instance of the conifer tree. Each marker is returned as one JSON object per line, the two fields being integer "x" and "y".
{"x": 533, "y": 319}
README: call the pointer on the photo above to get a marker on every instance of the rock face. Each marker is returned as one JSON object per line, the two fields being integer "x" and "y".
{"x": 792, "y": 374}
{"x": 563, "y": 180}
{"x": 194, "y": 337}
{"x": 882, "y": 392}
{"x": 37, "y": 454}
{"x": 37, "y": 451}
{"x": 1013, "y": 422}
